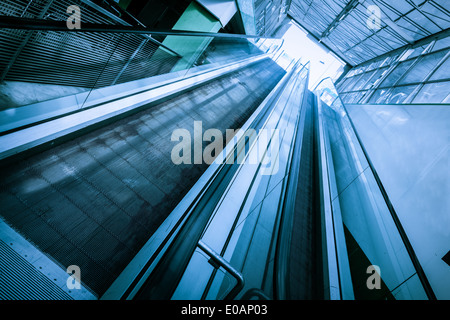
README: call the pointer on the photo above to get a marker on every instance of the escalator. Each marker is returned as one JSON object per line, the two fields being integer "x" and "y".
{"x": 94, "y": 200}
{"x": 234, "y": 238}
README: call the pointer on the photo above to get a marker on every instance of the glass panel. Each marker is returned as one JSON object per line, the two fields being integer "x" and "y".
{"x": 357, "y": 96}
{"x": 375, "y": 64}
{"x": 409, "y": 147}
{"x": 439, "y": 17}
{"x": 410, "y": 29}
{"x": 360, "y": 95}
{"x": 410, "y": 288}
{"x": 352, "y": 82}
{"x": 350, "y": 73}
{"x": 416, "y": 52}
{"x": 350, "y": 97}
{"x": 344, "y": 97}
{"x": 367, "y": 219}
{"x": 423, "y": 21}
{"x": 441, "y": 44}
{"x": 443, "y": 72}
{"x": 433, "y": 93}
{"x": 195, "y": 278}
{"x": 371, "y": 235}
{"x": 222, "y": 284}
{"x": 423, "y": 67}
{"x": 446, "y": 100}
{"x": 396, "y": 73}
{"x": 379, "y": 73}
{"x": 130, "y": 63}
{"x": 399, "y": 94}
{"x": 362, "y": 80}
{"x": 343, "y": 84}
{"x": 379, "y": 96}
{"x": 388, "y": 61}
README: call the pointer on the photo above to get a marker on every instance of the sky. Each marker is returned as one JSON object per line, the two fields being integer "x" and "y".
{"x": 298, "y": 45}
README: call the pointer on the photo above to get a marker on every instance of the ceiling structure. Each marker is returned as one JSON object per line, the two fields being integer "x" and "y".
{"x": 359, "y": 30}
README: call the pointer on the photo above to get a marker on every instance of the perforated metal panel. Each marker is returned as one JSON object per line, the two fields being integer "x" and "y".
{"x": 75, "y": 59}
{"x": 20, "y": 280}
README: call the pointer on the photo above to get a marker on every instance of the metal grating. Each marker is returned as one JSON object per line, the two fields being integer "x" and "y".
{"x": 20, "y": 280}
{"x": 89, "y": 60}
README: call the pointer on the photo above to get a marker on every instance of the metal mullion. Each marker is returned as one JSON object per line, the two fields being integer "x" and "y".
{"x": 419, "y": 87}
{"x": 365, "y": 83}
{"x": 357, "y": 54}
{"x": 402, "y": 85}
{"x": 23, "y": 43}
{"x": 311, "y": 19}
{"x": 346, "y": 11}
{"x": 427, "y": 32}
{"x": 416, "y": 83}
{"x": 331, "y": 9}
{"x": 318, "y": 15}
{"x": 367, "y": 47}
{"x": 129, "y": 60}
{"x": 379, "y": 43}
{"x": 376, "y": 33}
{"x": 440, "y": 18}
{"x": 413, "y": 64}
{"x": 426, "y": 16}
{"x": 356, "y": 91}
{"x": 373, "y": 75}
{"x": 440, "y": 8}
{"x": 439, "y": 64}
{"x": 296, "y": 11}
{"x": 390, "y": 69}
{"x": 359, "y": 16}
{"x": 410, "y": 21}
{"x": 417, "y": 60}
{"x": 416, "y": 44}
{"x": 392, "y": 36}
{"x": 349, "y": 35}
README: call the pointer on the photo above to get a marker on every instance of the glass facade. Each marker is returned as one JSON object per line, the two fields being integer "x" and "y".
{"x": 358, "y": 31}
{"x": 418, "y": 74}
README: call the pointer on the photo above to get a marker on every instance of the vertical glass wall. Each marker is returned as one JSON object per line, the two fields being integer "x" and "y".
{"x": 373, "y": 239}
